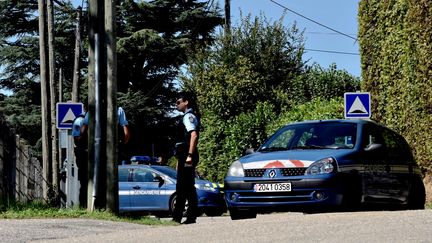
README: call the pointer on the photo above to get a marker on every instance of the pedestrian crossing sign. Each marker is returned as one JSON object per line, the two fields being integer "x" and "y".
{"x": 66, "y": 114}
{"x": 357, "y": 105}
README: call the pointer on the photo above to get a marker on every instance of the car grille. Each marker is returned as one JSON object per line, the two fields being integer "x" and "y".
{"x": 293, "y": 171}
{"x": 295, "y": 196}
{"x": 283, "y": 171}
{"x": 254, "y": 172}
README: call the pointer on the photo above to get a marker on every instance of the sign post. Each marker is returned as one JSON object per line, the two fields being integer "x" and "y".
{"x": 357, "y": 105}
{"x": 66, "y": 114}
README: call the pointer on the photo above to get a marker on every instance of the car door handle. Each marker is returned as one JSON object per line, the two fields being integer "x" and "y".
{"x": 136, "y": 187}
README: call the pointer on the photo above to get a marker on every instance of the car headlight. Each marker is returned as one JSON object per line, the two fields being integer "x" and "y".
{"x": 205, "y": 187}
{"x": 236, "y": 169}
{"x": 322, "y": 166}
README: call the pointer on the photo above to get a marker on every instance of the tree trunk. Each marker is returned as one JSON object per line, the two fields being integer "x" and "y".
{"x": 60, "y": 99}
{"x": 46, "y": 131}
{"x": 111, "y": 144}
{"x": 60, "y": 93}
{"x": 76, "y": 71}
{"x": 53, "y": 96}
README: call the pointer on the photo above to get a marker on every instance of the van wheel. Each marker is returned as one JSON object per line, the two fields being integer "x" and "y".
{"x": 416, "y": 195}
{"x": 237, "y": 214}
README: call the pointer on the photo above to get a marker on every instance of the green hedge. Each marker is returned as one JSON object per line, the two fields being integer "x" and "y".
{"x": 395, "y": 39}
{"x": 223, "y": 141}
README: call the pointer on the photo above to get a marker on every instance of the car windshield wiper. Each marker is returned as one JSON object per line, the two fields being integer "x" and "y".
{"x": 271, "y": 149}
{"x": 310, "y": 147}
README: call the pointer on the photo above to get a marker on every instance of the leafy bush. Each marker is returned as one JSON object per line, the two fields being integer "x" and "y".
{"x": 317, "y": 109}
{"x": 223, "y": 142}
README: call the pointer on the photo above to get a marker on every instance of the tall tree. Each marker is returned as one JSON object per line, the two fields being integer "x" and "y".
{"x": 53, "y": 98}
{"x": 76, "y": 70}
{"x": 46, "y": 148}
{"x": 246, "y": 81}
{"x": 155, "y": 39}
{"x": 19, "y": 56}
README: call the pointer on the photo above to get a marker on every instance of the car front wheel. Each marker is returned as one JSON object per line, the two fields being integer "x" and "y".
{"x": 173, "y": 204}
{"x": 214, "y": 212}
{"x": 237, "y": 214}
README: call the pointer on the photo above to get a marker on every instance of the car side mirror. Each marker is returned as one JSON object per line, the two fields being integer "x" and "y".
{"x": 373, "y": 147}
{"x": 248, "y": 151}
{"x": 158, "y": 179}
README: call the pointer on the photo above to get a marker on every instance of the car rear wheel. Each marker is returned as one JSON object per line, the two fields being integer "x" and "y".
{"x": 416, "y": 195}
{"x": 237, "y": 214}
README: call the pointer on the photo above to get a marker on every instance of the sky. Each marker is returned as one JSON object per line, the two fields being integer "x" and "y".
{"x": 320, "y": 42}
{"x": 339, "y": 15}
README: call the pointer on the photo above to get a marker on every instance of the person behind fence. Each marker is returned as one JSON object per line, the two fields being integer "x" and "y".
{"x": 187, "y": 159}
{"x": 123, "y": 133}
{"x": 81, "y": 153}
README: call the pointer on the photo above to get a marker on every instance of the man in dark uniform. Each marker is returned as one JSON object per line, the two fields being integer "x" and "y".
{"x": 80, "y": 150}
{"x": 187, "y": 157}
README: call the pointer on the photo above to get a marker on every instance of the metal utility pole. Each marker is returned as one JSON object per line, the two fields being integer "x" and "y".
{"x": 46, "y": 131}
{"x": 76, "y": 71}
{"x": 111, "y": 144}
{"x": 53, "y": 99}
{"x": 227, "y": 17}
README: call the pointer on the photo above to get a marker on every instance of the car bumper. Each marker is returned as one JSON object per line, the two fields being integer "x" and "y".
{"x": 211, "y": 199}
{"x": 305, "y": 190}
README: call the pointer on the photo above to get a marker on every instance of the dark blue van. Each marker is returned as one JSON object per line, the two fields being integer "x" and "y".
{"x": 325, "y": 163}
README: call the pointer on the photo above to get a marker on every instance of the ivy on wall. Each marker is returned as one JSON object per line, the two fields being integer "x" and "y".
{"x": 395, "y": 38}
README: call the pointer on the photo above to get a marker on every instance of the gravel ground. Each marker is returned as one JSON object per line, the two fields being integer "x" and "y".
{"x": 372, "y": 226}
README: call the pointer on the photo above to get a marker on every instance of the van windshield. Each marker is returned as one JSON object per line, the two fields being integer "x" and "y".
{"x": 320, "y": 135}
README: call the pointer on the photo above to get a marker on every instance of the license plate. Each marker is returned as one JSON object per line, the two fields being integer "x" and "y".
{"x": 273, "y": 187}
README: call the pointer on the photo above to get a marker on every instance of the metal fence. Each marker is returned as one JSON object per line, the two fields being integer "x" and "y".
{"x": 21, "y": 177}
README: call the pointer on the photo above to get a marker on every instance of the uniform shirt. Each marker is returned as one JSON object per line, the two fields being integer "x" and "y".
{"x": 190, "y": 121}
{"x": 121, "y": 118}
{"x": 77, "y": 124}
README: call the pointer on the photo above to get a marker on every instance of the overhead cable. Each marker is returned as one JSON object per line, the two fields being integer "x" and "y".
{"x": 316, "y": 22}
{"x": 335, "y": 52}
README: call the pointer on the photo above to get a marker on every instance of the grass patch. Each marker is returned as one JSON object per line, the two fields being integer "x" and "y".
{"x": 428, "y": 205}
{"x": 40, "y": 210}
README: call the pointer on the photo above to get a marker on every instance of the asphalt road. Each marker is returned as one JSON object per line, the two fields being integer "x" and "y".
{"x": 371, "y": 226}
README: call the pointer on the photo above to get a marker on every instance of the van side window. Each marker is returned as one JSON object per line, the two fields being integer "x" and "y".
{"x": 371, "y": 135}
{"x": 397, "y": 148}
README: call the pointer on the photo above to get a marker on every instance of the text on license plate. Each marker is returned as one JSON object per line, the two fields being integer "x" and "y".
{"x": 273, "y": 187}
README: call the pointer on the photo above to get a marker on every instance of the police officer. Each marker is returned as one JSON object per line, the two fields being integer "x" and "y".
{"x": 124, "y": 133}
{"x": 80, "y": 150}
{"x": 122, "y": 122}
{"x": 187, "y": 160}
